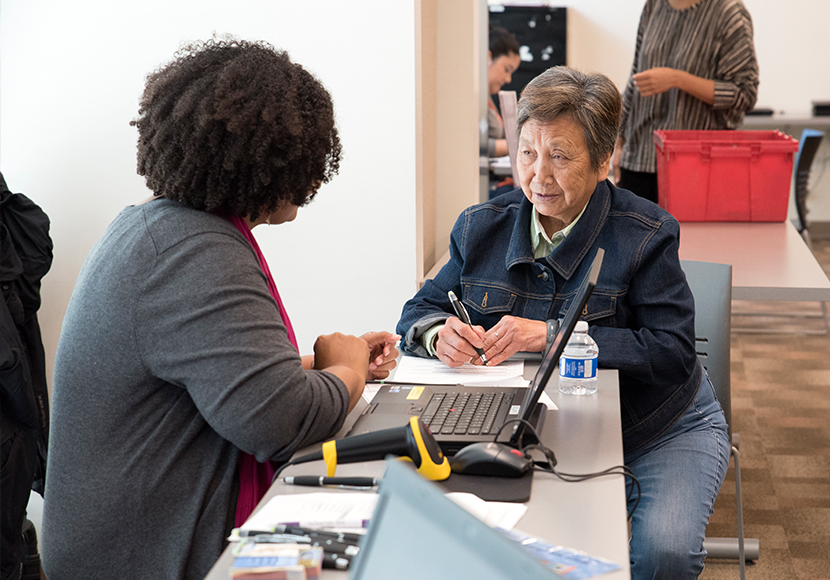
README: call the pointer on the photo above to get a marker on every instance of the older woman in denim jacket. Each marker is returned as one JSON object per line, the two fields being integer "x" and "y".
{"x": 517, "y": 261}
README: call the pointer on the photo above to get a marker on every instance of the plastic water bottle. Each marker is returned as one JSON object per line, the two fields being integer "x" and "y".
{"x": 578, "y": 363}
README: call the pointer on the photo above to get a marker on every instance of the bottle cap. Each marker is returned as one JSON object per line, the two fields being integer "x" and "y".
{"x": 581, "y": 326}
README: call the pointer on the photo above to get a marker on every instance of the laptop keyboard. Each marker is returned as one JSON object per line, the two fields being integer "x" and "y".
{"x": 462, "y": 413}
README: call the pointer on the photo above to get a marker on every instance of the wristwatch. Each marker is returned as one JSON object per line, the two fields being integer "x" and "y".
{"x": 553, "y": 328}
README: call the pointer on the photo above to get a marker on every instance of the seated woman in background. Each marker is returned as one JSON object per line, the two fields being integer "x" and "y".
{"x": 177, "y": 377}
{"x": 516, "y": 262}
{"x": 502, "y": 61}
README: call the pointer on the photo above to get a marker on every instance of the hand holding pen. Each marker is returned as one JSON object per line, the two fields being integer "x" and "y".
{"x": 461, "y": 312}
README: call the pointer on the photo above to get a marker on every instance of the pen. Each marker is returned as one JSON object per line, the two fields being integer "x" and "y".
{"x": 329, "y": 545}
{"x": 319, "y": 481}
{"x": 347, "y": 537}
{"x": 461, "y": 312}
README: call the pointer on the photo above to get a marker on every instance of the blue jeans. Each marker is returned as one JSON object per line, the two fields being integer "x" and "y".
{"x": 680, "y": 475}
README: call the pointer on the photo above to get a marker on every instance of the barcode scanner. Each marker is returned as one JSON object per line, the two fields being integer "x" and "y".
{"x": 413, "y": 441}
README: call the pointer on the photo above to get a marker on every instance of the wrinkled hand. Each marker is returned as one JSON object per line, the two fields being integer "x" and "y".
{"x": 382, "y": 354}
{"x": 655, "y": 81}
{"x": 456, "y": 342}
{"x": 511, "y": 335}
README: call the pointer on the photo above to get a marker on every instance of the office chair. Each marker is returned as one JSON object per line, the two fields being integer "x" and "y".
{"x": 711, "y": 286}
{"x": 807, "y": 147}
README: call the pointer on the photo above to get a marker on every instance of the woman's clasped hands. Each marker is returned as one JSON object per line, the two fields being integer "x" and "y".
{"x": 457, "y": 341}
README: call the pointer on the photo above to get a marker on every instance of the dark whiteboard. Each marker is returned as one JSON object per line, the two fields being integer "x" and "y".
{"x": 542, "y": 35}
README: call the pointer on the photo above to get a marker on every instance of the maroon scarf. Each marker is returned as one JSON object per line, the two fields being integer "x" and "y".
{"x": 254, "y": 477}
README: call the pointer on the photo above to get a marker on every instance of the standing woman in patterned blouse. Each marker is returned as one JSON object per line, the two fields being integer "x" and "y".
{"x": 694, "y": 69}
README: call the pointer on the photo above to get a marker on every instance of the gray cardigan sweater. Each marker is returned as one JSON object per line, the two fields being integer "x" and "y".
{"x": 171, "y": 359}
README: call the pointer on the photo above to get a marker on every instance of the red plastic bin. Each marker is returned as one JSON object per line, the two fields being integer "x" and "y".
{"x": 724, "y": 176}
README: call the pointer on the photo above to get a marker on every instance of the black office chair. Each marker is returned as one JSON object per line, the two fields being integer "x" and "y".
{"x": 807, "y": 147}
{"x": 711, "y": 286}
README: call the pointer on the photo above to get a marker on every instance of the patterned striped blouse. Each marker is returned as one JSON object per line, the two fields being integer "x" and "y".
{"x": 711, "y": 40}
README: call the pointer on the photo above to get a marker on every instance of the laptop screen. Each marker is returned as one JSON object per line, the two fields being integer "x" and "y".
{"x": 417, "y": 533}
{"x": 551, "y": 358}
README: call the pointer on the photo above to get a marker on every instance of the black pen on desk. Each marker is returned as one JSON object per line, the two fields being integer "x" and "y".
{"x": 320, "y": 481}
{"x": 461, "y": 312}
{"x": 348, "y": 537}
{"x": 329, "y": 545}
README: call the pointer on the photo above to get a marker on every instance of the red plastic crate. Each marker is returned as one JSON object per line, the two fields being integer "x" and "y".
{"x": 725, "y": 176}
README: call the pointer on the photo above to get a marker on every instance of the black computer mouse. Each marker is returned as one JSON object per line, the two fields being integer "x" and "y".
{"x": 495, "y": 459}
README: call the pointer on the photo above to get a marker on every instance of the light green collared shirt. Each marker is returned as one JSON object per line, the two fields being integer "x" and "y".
{"x": 539, "y": 240}
{"x": 542, "y": 246}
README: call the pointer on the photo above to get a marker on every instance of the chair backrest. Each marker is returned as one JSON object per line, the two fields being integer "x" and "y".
{"x": 509, "y": 115}
{"x": 711, "y": 286}
{"x": 807, "y": 147}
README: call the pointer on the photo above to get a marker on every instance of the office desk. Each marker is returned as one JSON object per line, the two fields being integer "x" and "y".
{"x": 770, "y": 261}
{"x": 791, "y": 124}
{"x": 586, "y": 436}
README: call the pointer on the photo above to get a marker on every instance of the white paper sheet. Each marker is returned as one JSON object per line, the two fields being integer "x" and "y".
{"x": 496, "y": 514}
{"x": 319, "y": 511}
{"x": 413, "y": 369}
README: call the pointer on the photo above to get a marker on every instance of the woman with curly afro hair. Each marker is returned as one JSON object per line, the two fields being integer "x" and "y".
{"x": 177, "y": 380}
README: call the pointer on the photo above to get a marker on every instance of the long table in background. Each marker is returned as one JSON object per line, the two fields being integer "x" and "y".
{"x": 770, "y": 261}
{"x": 586, "y": 435}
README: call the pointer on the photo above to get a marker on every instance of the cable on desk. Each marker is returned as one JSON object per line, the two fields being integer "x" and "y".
{"x": 281, "y": 468}
{"x": 548, "y": 465}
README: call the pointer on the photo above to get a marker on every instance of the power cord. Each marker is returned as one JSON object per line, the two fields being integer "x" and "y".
{"x": 548, "y": 465}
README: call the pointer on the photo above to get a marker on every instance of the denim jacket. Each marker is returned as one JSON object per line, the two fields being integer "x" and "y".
{"x": 641, "y": 313}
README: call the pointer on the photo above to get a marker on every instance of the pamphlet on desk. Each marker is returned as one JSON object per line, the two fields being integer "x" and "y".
{"x": 444, "y": 408}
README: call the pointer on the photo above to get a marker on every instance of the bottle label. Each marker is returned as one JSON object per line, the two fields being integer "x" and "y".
{"x": 577, "y": 368}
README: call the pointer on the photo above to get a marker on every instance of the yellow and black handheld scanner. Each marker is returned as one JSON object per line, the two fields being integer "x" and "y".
{"x": 412, "y": 441}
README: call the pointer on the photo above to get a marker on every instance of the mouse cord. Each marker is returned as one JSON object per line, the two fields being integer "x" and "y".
{"x": 548, "y": 465}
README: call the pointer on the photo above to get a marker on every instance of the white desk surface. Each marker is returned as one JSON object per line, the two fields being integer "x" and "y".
{"x": 586, "y": 435}
{"x": 770, "y": 261}
{"x": 786, "y": 121}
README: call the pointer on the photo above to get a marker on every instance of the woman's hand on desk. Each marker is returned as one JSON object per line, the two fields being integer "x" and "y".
{"x": 512, "y": 334}
{"x": 457, "y": 343}
{"x": 382, "y": 354}
{"x": 346, "y": 357}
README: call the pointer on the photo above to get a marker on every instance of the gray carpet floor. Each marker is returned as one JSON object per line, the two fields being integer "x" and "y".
{"x": 781, "y": 410}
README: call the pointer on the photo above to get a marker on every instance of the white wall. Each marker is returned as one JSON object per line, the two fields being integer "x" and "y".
{"x": 71, "y": 74}
{"x": 790, "y": 41}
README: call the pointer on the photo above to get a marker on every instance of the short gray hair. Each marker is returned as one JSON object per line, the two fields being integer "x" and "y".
{"x": 590, "y": 99}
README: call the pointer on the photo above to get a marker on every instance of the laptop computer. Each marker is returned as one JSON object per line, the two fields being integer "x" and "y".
{"x": 417, "y": 533}
{"x": 458, "y": 415}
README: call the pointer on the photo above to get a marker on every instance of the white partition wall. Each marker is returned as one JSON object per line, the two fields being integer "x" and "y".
{"x": 71, "y": 74}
